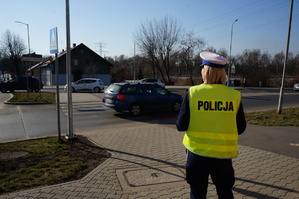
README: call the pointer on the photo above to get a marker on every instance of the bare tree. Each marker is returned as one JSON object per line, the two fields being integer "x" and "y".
{"x": 2, "y": 64}
{"x": 189, "y": 46}
{"x": 121, "y": 69}
{"x": 223, "y": 52}
{"x": 12, "y": 47}
{"x": 254, "y": 66}
{"x": 211, "y": 49}
{"x": 277, "y": 63}
{"x": 294, "y": 65}
{"x": 158, "y": 40}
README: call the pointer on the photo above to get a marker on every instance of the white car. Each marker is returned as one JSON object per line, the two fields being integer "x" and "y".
{"x": 93, "y": 84}
{"x": 296, "y": 87}
{"x": 153, "y": 81}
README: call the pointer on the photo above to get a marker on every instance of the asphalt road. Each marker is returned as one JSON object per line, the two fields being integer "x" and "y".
{"x": 26, "y": 121}
{"x": 90, "y": 116}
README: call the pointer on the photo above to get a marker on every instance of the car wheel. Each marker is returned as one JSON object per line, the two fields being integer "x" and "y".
{"x": 73, "y": 90}
{"x": 97, "y": 89}
{"x": 3, "y": 90}
{"x": 36, "y": 90}
{"x": 135, "y": 110}
{"x": 30, "y": 89}
{"x": 176, "y": 106}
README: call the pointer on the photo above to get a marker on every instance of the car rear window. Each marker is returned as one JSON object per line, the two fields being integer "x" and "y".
{"x": 114, "y": 88}
{"x": 151, "y": 80}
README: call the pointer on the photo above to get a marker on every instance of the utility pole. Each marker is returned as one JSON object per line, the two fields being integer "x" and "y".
{"x": 27, "y": 81}
{"x": 70, "y": 133}
{"x": 101, "y": 46}
{"x": 230, "y": 53}
{"x": 285, "y": 60}
{"x": 134, "y": 70}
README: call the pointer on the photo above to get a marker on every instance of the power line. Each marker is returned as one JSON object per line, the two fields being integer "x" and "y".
{"x": 226, "y": 13}
{"x": 265, "y": 10}
{"x": 227, "y": 20}
{"x": 244, "y": 17}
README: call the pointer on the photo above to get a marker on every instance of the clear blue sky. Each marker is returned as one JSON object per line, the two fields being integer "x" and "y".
{"x": 262, "y": 24}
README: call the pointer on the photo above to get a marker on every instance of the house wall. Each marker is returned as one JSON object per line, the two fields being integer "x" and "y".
{"x": 84, "y": 63}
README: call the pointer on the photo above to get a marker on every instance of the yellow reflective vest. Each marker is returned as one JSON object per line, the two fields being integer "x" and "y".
{"x": 212, "y": 130}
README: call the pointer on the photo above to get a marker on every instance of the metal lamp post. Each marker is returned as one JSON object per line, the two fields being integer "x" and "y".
{"x": 27, "y": 33}
{"x": 230, "y": 52}
{"x": 280, "y": 102}
{"x": 28, "y": 49}
{"x": 70, "y": 134}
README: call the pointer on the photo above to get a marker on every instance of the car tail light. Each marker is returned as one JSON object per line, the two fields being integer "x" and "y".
{"x": 120, "y": 97}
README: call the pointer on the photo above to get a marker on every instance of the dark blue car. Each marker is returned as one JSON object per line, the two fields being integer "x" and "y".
{"x": 138, "y": 97}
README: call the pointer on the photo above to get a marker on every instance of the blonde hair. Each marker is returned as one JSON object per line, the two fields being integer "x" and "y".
{"x": 212, "y": 75}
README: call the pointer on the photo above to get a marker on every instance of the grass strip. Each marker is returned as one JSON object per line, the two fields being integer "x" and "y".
{"x": 47, "y": 162}
{"x": 33, "y": 97}
{"x": 288, "y": 117}
{"x": 45, "y": 173}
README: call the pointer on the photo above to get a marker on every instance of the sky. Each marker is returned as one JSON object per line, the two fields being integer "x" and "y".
{"x": 108, "y": 27}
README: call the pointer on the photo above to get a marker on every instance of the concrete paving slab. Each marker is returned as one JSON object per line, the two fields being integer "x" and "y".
{"x": 259, "y": 174}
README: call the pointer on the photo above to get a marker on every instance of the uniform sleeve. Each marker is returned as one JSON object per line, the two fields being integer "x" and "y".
{"x": 241, "y": 121}
{"x": 183, "y": 119}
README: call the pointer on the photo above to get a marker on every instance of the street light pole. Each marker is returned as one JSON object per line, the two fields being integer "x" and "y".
{"x": 28, "y": 49}
{"x": 27, "y": 33}
{"x": 280, "y": 102}
{"x": 230, "y": 52}
{"x": 70, "y": 134}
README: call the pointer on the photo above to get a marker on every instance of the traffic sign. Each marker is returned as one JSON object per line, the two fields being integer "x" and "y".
{"x": 53, "y": 40}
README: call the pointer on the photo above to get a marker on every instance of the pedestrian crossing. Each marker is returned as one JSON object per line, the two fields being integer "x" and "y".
{"x": 80, "y": 108}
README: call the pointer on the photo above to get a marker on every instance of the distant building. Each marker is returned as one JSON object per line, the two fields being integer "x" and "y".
{"x": 84, "y": 63}
{"x": 27, "y": 64}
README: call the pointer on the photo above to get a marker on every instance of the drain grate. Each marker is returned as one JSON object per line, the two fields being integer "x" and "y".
{"x": 141, "y": 177}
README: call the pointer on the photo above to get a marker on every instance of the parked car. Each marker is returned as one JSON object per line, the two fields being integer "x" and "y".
{"x": 93, "y": 84}
{"x": 296, "y": 87}
{"x": 139, "y": 97}
{"x": 20, "y": 83}
{"x": 153, "y": 81}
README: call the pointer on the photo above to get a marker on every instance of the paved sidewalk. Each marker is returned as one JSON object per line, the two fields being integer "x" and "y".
{"x": 147, "y": 163}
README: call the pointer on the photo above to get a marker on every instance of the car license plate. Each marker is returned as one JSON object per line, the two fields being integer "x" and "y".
{"x": 109, "y": 101}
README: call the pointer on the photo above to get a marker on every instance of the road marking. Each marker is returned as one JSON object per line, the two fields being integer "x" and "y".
{"x": 22, "y": 121}
{"x": 294, "y": 144}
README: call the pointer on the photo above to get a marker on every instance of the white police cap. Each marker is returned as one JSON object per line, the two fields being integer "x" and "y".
{"x": 213, "y": 59}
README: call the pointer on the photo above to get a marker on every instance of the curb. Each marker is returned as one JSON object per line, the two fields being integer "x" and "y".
{"x": 27, "y": 103}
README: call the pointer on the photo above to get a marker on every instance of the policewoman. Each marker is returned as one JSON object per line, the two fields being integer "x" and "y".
{"x": 212, "y": 116}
